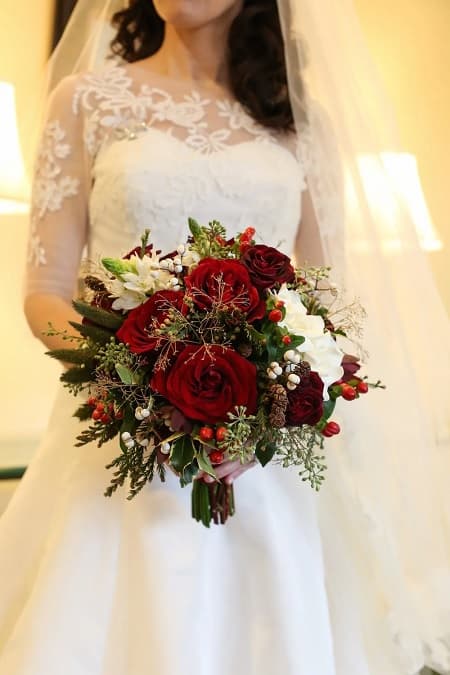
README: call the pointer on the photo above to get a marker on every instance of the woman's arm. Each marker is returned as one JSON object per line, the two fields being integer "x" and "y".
{"x": 308, "y": 244}
{"x": 58, "y": 229}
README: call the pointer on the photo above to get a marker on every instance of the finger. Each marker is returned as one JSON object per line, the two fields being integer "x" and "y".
{"x": 226, "y": 468}
{"x": 238, "y": 472}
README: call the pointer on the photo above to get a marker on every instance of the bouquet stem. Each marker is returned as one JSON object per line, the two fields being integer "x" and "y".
{"x": 212, "y": 502}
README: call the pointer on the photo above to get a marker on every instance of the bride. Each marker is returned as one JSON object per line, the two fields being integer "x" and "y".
{"x": 205, "y": 112}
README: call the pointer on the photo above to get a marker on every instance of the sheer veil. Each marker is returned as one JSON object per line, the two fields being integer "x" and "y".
{"x": 386, "y": 498}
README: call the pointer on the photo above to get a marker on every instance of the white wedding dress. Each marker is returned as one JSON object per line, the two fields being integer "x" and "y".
{"x": 96, "y": 586}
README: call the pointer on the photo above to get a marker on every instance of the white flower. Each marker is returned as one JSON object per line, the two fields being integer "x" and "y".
{"x": 325, "y": 357}
{"x": 149, "y": 277}
{"x": 296, "y": 320}
{"x": 190, "y": 257}
{"x": 319, "y": 348}
{"x": 125, "y": 299}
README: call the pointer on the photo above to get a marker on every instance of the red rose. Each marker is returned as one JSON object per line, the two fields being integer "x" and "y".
{"x": 226, "y": 282}
{"x": 138, "y": 329}
{"x": 207, "y": 382}
{"x": 267, "y": 266}
{"x": 305, "y": 402}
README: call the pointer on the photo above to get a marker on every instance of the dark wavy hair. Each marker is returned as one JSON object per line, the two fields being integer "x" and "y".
{"x": 256, "y": 62}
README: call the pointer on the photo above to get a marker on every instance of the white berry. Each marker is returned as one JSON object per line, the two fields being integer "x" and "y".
{"x": 270, "y": 374}
{"x": 165, "y": 448}
{"x": 294, "y": 378}
{"x": 291, "y": 386}
{"x": 126, "y": 436}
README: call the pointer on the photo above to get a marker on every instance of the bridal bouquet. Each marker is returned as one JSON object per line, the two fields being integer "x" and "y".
{"x": 220, "y": 350}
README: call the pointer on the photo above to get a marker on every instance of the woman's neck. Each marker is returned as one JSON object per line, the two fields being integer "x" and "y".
{"x": 195, "y": 55}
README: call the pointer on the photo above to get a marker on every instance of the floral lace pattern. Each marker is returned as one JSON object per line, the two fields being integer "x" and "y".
{"x": 51, "y": 187}
{"x": 112, "y": 107}
{"x": 111, "y": 104}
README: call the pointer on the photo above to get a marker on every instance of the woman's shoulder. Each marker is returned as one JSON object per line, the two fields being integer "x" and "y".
{"x": 89, "y": 87}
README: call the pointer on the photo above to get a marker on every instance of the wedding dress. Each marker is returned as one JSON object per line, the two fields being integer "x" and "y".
{"x": 96, "y": 586}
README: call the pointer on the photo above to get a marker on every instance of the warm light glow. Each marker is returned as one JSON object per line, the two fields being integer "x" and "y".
{"x": 14, "y": 190}
{"x": 390, "y": 180}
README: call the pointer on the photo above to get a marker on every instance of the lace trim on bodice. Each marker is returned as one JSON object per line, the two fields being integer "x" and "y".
{"x": 111, "y": 106}
{"x": 204, "y": 125}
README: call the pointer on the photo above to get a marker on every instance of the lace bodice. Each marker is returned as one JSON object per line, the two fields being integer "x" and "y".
{"x": 119, "y": 154}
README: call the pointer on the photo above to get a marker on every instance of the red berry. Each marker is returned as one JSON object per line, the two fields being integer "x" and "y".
{"x": 96, "y": 414}
{"x": 105, "y": 419}
{"x": 110, "y": 408}
{"x": 92, "y": 401}
{"x": 279, "y": 304}
{"x": 216, "y": 457}
{"x": 333, "y": 428}
{"x": 248, "y": 233}
{"x": 362, "y": 387}
{"x": 118, "y": 415}
{"x": 100, "y": 406}
{"x": 221, "y": 433}
{"x": 220, "y": 240}
{"x": 326, "y": 432}
{"x": 286, "y": 340}
{"x": 206, "y": 433}
{"x": 275, "y": 315}
{"x": 348, "y": 392}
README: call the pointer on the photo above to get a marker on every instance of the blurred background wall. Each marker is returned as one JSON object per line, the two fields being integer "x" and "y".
{"x": 410, "y": 41}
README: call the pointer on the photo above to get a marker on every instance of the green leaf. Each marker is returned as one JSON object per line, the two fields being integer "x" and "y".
{"x": 182, "y": 453}
{"x": 194, "y": 227}
{"x": 189, "y": 473}
{"x": 101, "y": 317}
{"x": 126, "y": 375}
{"x": 205, "y": 463}
{"x": 264, "y": 452}
{"x": 77, "y": 356}
{"x": 117, "y": 266}
{"x": 95, "y": 333}
{"x": 296, "y": 341}
{"x": 328, "y": 408}
{"x": 83, "y": 413}
{"x": 78, "y": 375}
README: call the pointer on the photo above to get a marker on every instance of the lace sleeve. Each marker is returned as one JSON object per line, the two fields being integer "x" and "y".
{"x": 59, "y": 213}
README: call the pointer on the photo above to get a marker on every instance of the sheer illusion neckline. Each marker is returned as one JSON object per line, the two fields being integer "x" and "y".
{"x": 145, "y": 77}
{"x": 144, "y": 80}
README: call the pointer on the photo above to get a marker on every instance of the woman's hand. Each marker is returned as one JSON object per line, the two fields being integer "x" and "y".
{"x": 227, "y": 471}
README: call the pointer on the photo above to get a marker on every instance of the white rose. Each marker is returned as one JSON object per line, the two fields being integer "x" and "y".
{"x": 296, "y": 320}
{"x": 325, "y": 357}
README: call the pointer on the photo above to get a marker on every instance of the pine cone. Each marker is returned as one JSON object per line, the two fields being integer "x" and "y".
{"x": 279, "y": 405}
{"x": 95, "y": 284}
{"x": 277, "y": 418}
{"x": 303, "y": 370}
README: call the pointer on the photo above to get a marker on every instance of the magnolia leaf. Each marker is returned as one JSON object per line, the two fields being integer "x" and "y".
{"x": 182, "y": 453}
{"x": 264, "y": 452}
